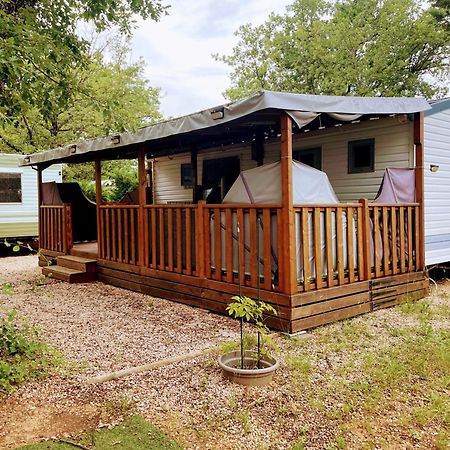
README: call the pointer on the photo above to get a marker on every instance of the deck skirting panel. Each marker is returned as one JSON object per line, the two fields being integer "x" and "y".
{"x": 347, "y": 301}
{"x": 299, "y": 312}
{"x": 199, "y": 296}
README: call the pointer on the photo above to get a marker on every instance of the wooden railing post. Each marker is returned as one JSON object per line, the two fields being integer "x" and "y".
{"x": 367, "y": 257}
{"x": 67, "y": 228}
{"x": 142, "y": 231}
{"x": 200, "y": 240}
{"x": 39, "y": 186}
{"x": 98, "y": 202}
{"x": 288, "y": 278}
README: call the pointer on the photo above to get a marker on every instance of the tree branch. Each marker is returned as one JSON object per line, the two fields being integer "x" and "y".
{"x": 11, "y": 146}
{"x": 29, "y": 131}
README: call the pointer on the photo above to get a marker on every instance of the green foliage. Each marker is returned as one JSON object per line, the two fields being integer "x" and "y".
{"x": 246, "y": 309}
{"x": 440, "y": 9}
{"x": 351, "y": 47}
{"x": 7, "y": 289}
{"x": 250, "y": 310}
{"x": 133, "y": 434}
{"x": 107, "y": 97}
{"x": 125, "y": 180}
{"x": 23, "y": 355}
{"x": 121, "y": 177}
{"x": 54, "y": 88}
{"x": 300, "y": 364}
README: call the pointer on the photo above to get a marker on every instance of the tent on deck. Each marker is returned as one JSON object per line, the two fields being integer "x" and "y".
{"x": 262, "y": 185}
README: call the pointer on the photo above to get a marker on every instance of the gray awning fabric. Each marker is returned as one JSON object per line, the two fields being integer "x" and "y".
{"x": 302, "y": 108}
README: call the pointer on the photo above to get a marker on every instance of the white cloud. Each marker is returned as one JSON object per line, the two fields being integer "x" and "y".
{"x": 178, "y": 49}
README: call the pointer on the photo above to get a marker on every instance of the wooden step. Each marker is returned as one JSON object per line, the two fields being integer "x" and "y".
{"x": 69, "y": 275}
{"x": 77, "y": 263}
{"x": 85, "y": 251}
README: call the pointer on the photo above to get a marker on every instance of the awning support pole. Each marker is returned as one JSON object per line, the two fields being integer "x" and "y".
{"x": 288, "y": 279}
{"x": 98, "y": 202}
{"x": 194, "y": 165}
{"x": 39, "y": 190}
{"x": 142, "y": 232}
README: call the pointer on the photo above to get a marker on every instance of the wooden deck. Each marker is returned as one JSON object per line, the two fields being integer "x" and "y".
{"x": 85, "y": 250}
{"x": 184, "y": 253}
{"x": 314, "y": 263}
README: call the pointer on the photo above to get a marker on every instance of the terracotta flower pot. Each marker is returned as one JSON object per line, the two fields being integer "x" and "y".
{"x": 250, "y": 375}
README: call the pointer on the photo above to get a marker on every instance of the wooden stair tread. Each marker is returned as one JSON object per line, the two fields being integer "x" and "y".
{"x": 61, "y": 269}
{"x": 77, "y": 263}
{"x": 68, "y": 274}
{"x": 79, "y": 259}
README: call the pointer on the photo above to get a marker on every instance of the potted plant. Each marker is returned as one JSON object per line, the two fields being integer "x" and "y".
{"x": 249, "y": 367}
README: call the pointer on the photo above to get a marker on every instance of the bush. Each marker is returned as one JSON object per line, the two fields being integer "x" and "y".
{"x": 23, "y": 356}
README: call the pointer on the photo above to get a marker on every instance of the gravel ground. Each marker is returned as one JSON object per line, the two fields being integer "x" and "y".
{"x": 108, "y": 328}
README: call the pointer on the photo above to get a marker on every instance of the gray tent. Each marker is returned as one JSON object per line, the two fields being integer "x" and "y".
{"x": 262, "y": 185}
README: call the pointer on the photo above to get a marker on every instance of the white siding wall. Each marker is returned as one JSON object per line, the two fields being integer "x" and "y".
{"x": 20, "y": 219}
{"x": 168, "y": 179}
{"x": 437, "y": 185}
{"x": 393, "y": 148}
{"x": 168, "y": 172}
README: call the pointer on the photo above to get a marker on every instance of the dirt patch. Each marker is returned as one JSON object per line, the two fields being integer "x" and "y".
{"x": 25, "y": 423}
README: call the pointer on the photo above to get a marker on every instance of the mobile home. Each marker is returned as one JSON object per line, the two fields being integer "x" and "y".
{"x": 437, "y": 182}
{"x": 19, "y": 196}
{"x": 316, "y": 260}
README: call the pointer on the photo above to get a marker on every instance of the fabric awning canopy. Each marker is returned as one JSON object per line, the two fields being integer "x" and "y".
{"x": 237, "y": 120}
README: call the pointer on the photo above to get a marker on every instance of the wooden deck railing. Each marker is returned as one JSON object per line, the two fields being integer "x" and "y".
{"x": 394, "y": 230}
{"x": 344, "y": 243}
{"x": 198, "y": 240}
{"x": 241, "y": 244}
{"x": 171, "y": 238}
{"x": 119, "y": 238}
{"x": 335, "y": 244}
{"x": 329, "y": 244}
{"x": 55, "y": 228}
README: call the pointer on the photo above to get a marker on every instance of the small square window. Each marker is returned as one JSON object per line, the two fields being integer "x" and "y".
{"x": 186, "y": 175}
{"x": 361, "y": 156}
{"x": 10, "y": 188}
{"x": 309, "y": 156}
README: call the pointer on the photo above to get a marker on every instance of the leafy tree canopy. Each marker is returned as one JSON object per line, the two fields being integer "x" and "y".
{"x": 349, "y": 47}
{"x": 42, "y": 59}
{"x": 55, "y": 89}
{"x": 440, "y": 9}
{"x": 111, "y": 97}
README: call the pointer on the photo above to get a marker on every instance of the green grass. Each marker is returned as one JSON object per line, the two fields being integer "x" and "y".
{"x": 355, "y": 372}
{"x": 133, "y": 434}
{"x": 416, "y": 367}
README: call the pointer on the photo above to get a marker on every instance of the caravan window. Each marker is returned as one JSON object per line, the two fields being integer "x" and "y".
{"x": 310, "y": 156}
{"x": 187, "y": 176}
{"x": 361, "y": 156}
{"x": 10, "y": 188}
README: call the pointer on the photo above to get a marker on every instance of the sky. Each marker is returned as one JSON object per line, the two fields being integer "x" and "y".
{"x": 178, "y": 49}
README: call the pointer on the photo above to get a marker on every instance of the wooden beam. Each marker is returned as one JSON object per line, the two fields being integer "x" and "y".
{"x": 419, "y": 160}
{"x": 39, "y": 187}
{"x": 258, "y": 149}
{"x": 98, "y": 202}
{"x": 142, "y": 184}
{"x": 366, "y": 254}
{"x": 289, "y": 277}
{"x": 194, "y": 165}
